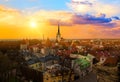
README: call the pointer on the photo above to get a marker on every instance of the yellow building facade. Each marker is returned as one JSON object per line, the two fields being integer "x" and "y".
{"x": 57, "y": 78}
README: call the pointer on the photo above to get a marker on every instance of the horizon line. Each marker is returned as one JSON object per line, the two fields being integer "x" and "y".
{"x": 54, "y": 38}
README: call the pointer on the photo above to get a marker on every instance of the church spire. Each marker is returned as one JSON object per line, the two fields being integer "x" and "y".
{"x": 58, "y": 36}
{"x": 58, "y": 30}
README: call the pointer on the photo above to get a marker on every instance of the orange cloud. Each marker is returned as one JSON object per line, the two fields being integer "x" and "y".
{"x": 15, "y": 24}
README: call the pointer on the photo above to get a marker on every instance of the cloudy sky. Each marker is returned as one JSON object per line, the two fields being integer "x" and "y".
{"x": 77, "y": 18}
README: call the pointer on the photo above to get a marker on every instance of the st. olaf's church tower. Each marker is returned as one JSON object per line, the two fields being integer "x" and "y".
{"x": 58, "y": 35}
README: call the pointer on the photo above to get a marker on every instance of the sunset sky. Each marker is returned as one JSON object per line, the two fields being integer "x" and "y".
{"x": 20, "y": 19}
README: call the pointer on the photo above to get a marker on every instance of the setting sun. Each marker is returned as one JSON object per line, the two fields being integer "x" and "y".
{"x": 33, "y": 24}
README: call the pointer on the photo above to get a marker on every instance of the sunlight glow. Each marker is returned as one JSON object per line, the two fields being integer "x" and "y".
{"x": 33, "y": 24}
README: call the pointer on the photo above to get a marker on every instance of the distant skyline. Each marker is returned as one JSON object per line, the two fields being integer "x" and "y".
{"x": 77, "y": 18}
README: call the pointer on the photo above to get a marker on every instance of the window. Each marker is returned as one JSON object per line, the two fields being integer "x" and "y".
{"x": 32, "y": 67}
{"x": 59, "y": 81}
{"x": 64, "y": 80}
{"x": 40, "y": 64}
{"x": 36, "y": 65}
